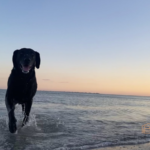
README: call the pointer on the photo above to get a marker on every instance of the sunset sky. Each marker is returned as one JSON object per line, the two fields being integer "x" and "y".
{"x": 100, "y": 46}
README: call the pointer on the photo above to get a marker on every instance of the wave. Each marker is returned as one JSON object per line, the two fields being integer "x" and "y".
{"x": 103, "y": 144}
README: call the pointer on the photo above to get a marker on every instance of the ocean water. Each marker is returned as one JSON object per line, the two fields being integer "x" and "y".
{"x": 74, "y": 121}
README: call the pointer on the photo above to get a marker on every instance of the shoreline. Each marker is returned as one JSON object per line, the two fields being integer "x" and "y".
{"x": 145, "y": 146}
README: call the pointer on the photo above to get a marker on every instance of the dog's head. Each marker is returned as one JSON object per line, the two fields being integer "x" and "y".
{"x": 26, "y": 59}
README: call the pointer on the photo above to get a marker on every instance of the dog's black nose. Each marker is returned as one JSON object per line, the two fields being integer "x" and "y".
{"x": 26, "y": 61}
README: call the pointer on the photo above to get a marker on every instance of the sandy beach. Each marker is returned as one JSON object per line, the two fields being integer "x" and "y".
{"x": 128, "y": 147}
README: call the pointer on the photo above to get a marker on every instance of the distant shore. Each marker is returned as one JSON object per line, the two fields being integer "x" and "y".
{"x": 92, "y": 93}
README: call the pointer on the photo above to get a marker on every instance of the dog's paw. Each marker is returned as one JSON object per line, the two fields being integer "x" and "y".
{"x": 25, "y": 120}
{"x": 12, "y": 127}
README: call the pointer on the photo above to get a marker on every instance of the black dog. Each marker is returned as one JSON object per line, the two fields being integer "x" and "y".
{"x": 22, "y": 84}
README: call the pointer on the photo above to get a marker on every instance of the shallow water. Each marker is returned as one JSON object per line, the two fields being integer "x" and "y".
{"x": 74, "y": 121}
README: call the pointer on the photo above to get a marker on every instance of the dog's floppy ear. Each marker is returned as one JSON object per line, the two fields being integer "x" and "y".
{"x": 38, "y": 60}
{"x": 14, "y": 58}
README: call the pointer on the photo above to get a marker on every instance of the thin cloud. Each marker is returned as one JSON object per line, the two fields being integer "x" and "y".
{"x": 64, "y": 82}
{"x": 46, "y": 79}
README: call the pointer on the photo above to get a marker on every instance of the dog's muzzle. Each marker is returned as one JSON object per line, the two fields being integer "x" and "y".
{"x": 25, "y": 69}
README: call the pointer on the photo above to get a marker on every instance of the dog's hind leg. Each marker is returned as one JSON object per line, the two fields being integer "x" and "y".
{"x": 28, "y": 106}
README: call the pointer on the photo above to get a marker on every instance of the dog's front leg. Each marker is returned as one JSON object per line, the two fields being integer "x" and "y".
{"x": 28, "y": 106}
{"x": 11, "y": 115}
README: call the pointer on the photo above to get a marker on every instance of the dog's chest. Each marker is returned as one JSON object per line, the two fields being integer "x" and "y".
{"x": 21, "y": 92}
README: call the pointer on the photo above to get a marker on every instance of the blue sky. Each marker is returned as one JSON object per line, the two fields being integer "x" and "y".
{"x": 83, "y": 42}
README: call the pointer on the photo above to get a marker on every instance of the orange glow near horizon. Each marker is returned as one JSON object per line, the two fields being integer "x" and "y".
{"x": 102, "y": 87}
{"x": 108, "y": 87}
{"x": 105, "y": 83}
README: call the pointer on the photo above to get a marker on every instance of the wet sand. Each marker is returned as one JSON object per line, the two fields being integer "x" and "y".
{"x": 128, "y": 147}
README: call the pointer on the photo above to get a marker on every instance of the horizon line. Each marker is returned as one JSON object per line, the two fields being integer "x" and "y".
{"x": 92, "y": 93}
